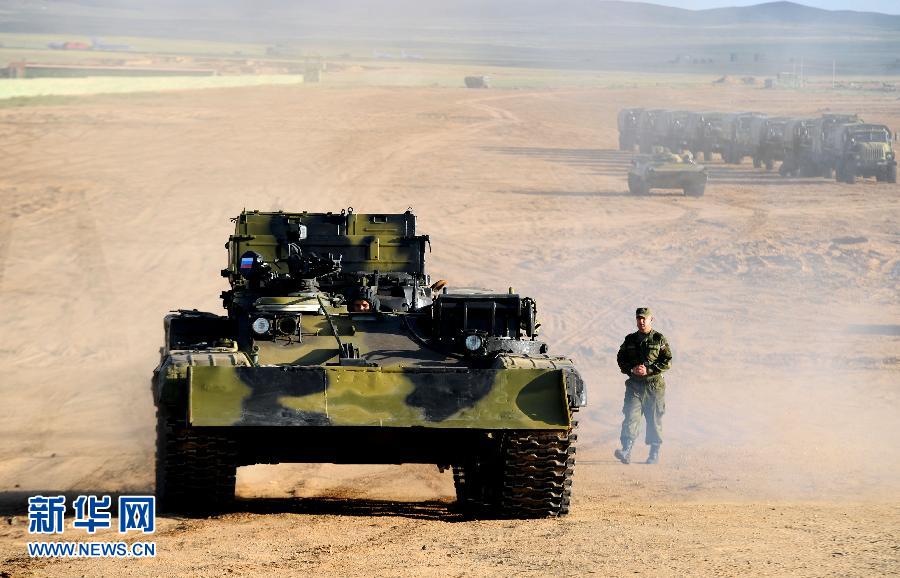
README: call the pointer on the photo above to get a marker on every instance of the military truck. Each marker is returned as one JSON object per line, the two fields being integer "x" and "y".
{"x": 798, "y": 160}
{"x": 672, "y": 130}
{"x": 651, "y": 130}
{"x": 666, "y": 170}
{"x": 337, "y": 347}
{"x": 705, "y": 133}
{"x": 629, "y": 125}
{"x": 739, "y": 136}
{"x": 826, "y": 149}
{"x": 863, "y": 150}
{"x": 768, "y": 133}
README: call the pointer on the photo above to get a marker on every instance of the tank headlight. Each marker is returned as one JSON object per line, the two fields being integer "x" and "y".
{"x": 286, "y": 325}
{"x": 261, "y": 325}
{"x": 474, "y": 342}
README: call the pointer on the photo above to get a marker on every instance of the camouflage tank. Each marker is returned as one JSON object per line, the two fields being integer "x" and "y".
{"x": 666, "y": 170}
{"x": 337, "y": 348}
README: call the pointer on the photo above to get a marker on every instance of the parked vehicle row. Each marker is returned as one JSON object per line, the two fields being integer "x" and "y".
{"x": 841, "y": 146}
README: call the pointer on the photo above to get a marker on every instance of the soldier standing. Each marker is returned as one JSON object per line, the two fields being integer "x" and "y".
{"x": 643, "y": 357}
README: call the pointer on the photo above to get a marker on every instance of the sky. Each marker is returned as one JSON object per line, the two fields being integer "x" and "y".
{"x": 884, "y": 6}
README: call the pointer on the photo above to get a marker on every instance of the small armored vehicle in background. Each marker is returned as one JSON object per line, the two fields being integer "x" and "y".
{"x": 629, "y": 128}
{"x": 336, "y": 348}
{"x": 665, "y": 170}
{"x": 863, "y": 150}
{"x": 476, "y": 82}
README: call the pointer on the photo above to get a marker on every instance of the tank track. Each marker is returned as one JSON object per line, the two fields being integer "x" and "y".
{"x": 195, "y": 472}
{"x": 530, "y": 478}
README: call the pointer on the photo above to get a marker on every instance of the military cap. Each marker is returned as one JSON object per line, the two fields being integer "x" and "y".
{"x": 643, "y": 312}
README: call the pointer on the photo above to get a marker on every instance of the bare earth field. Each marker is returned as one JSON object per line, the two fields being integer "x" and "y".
{"x": 779, "y": 297}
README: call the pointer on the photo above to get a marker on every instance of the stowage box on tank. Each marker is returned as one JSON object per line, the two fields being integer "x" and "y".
{"x": 337, "y": 347}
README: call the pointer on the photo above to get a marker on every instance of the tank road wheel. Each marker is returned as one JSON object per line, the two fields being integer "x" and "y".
{"x": 477, "y": 492}
{"x": 478, "y": 478}
{"x": 537, "y": 474}
{"x": 195, "y": 472}
{"x": 892, "y": 174}
{"x": 849, "y": 174}
{"x": 528, "y": 475}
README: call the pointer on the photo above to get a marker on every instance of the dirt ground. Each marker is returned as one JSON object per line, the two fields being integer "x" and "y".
{"x": 779, "y": 297}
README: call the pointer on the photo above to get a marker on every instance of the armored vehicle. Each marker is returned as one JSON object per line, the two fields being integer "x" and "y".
{"x": 705, "y": 133}
{"x": 863, "y": 150}
{"x": 336, "y": 347}
{"x": 666, "y": 170}
{"x": 629, "y": 125}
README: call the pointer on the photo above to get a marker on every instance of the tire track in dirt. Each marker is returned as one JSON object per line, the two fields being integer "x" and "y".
{"x": 591, "y": 324}
{"x": 401, "y": 153}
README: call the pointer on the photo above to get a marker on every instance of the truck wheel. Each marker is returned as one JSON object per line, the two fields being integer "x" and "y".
{"x": 757, "y": 162}
{"x": 633, "y": 185}
{"x": 637, "y": 185}
{"x": 892, "y": 174}
{"x": 770, "y": 164}
{"x": 849, "y": 174}
{"x": 828, "y": 172}
{"x": 784, "y": 170}
{"x": 694, "y": 190}
{"x": 195, "y": 472}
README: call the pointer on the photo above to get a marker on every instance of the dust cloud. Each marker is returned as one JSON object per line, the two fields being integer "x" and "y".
{"x": 777, "y": 295}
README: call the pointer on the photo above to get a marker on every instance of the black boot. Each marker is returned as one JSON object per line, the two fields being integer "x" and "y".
{"x": 624, "y": 454}
{"x": 653, "y": 458}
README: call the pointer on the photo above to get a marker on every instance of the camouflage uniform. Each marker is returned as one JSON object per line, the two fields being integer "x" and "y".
{"x": 644, "y": 394}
